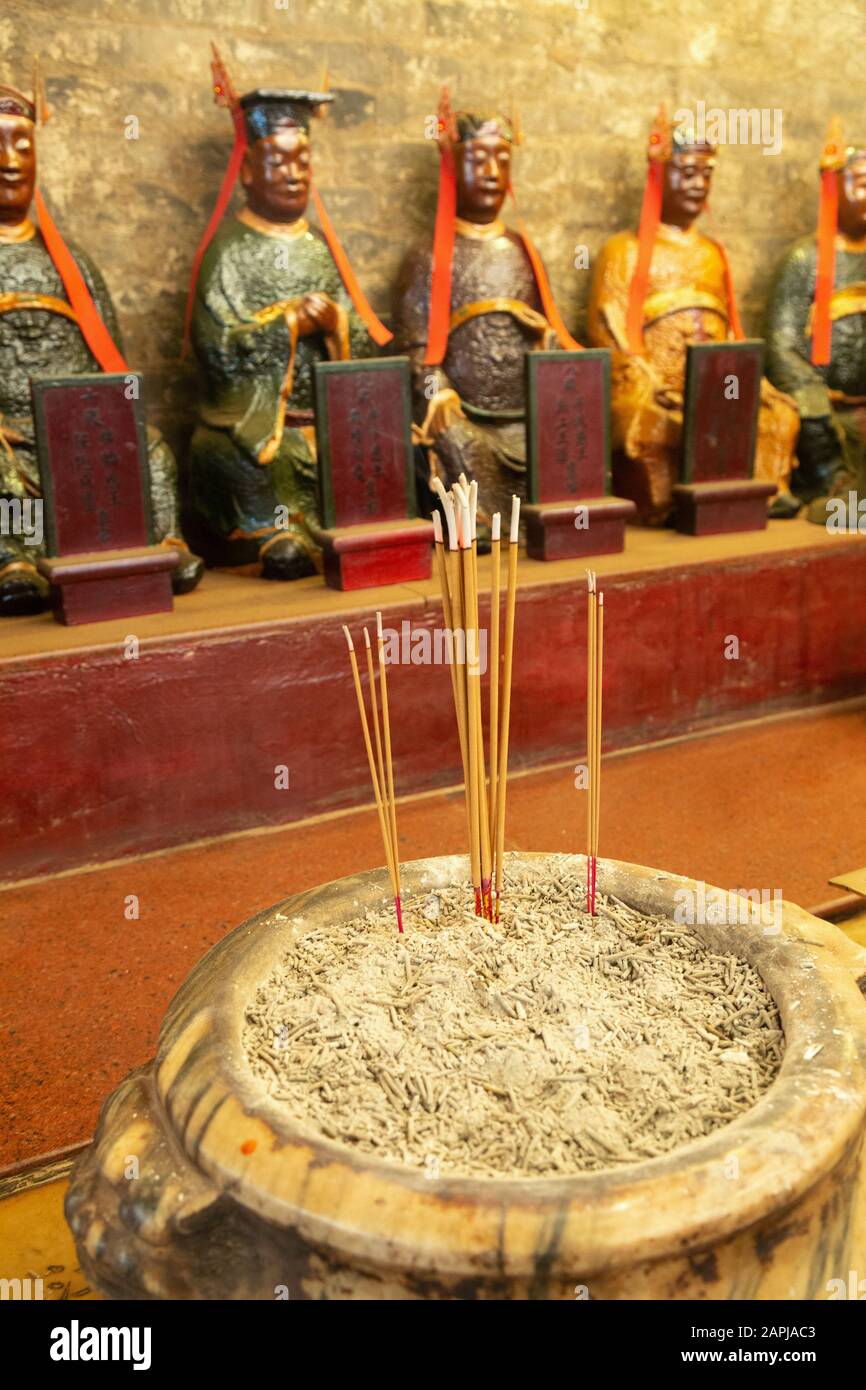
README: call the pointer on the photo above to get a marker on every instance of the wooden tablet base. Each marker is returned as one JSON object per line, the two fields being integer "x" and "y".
{"x": 379, "y": 552}
{"x": 552, "y": 535}
{"x": 711, "y": 509}
{"x": 110, "y": 583}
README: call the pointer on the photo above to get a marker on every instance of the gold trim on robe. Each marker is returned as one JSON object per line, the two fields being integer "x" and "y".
{"x": 850, "y": 299}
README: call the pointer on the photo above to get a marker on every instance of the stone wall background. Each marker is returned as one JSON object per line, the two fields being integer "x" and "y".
{"x": 587, "y": 76}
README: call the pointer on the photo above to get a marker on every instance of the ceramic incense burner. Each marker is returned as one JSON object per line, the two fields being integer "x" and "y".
{"x": 229, "y": 1198}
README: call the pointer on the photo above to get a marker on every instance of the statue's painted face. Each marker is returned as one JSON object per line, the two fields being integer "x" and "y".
{"x": 852, "y": 199}
{"x": 276, "y": 175}
{"x": 483, "y": 168}
{"x": 688, "y": 175}
{"x": 17, "y": 167}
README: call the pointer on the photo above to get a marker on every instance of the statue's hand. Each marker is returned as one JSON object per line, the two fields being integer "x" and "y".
{"x": 465, "y": 448}
{"x": 820, "y": 454}
{"x": 443, "y": 410}
{"x": 317, "y": 313}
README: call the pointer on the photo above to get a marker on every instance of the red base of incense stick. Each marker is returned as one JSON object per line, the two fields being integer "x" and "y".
{"x": 398, "y": 905}
{"x": 486, "y": 901}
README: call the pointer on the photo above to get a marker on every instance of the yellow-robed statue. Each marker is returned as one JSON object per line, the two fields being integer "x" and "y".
{"x": 653, "y": 293}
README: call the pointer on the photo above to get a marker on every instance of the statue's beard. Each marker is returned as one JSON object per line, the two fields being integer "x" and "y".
{"x": 15, "y": 198}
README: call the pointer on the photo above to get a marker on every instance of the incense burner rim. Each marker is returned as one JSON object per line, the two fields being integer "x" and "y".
{"x": 801, "y": 1127}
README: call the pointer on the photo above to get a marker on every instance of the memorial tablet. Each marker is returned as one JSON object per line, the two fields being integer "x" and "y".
{"x": 570, "y": 511}
{"x": 720, "y": 425}
{"x": 92, "y": 447}
{"x": 371, "y": 534}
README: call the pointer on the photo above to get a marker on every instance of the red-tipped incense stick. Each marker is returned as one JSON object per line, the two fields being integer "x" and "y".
{"x": 510, "y": 603}
{"x": 594, "y": 667}
{"x": 387, "y": 814}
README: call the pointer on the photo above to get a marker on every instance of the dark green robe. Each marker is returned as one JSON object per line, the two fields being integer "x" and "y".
{"x": 36, "y": 342}
{"x": 234, "y": 497}
{"x": 789, "y": 365}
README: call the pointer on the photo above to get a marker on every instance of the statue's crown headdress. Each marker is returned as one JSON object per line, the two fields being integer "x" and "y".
{"x": 33, "y": 108}
{"x": 833, "y": 154}
{"x": 668, "y": 138}
{"x": 455, "y": 127}
{"x": 660, "y": 139}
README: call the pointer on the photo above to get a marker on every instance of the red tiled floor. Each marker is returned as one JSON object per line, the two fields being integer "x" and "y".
{"x": 83, "y": 989}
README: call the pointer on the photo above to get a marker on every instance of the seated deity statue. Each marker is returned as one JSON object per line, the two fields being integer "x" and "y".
{"x": 56, "y": 319}
{"x": 272, "y": 296}
{"x": 470, "y": 302}
{"x": 816, "y": 334}
{"x": 653, "y": 293}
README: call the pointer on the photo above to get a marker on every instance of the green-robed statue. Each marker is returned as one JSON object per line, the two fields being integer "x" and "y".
{"x": 43, "y": 333}
{"x": 272, "y": 297}
{"x": 816, "y": 333}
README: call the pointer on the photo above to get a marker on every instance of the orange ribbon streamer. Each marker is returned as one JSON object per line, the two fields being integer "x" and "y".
{"x": 87, "y": 316}
{"x": 650, "y": 216}
{"x": 376, "y": 329}
{"x": 828, "y": 207}
{"x": 230, "y": 176}
{"x": 443, "y": 253}
{"x": 551, "y": 312}
{"x": 733, "y": 312}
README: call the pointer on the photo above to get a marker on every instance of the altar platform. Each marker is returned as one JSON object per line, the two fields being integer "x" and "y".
{"x": 113, "y": 747}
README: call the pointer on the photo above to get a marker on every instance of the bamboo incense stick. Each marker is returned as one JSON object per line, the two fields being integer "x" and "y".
{"x": 371, "y": 679}
{"x": 493, "y": 667}
{"x": 510, "y": 601}
{"x": 452, "y": 599}
{"x": 384, "y": 824}
{"x": 590, "y": 732}
{"x": 459, "y": 641}
{"x": 594, "y": 672}
{"x": 475, "y": 671}
{"x": 448, "y": 614}
{"x": 597, "y": 772}
{"x": 389, "y": 767}
{"x": 471, "y": 659}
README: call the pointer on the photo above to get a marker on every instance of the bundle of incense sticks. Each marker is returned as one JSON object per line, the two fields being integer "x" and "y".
{"x": 458, "y": 577}
{"x": 594, "y": 660}
{"x": 381, "y": 766}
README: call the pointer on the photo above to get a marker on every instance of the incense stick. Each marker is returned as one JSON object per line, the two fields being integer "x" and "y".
{"x": 594, "y": 669}
{"x": 493, "y": 667}
{"x": 388, "y": 840}
{"x": 502, "y": 786}
{"x": 371, "y": 680}
{"x": 458, "y": 577}
{"x": 590, "y": 730}
{"x": 471, "y": 670}
{"x": 597, "y": 798}
{"x": 475, "y": 671}
{"x": 448, "y": 614}
{"x": 389, "y": 767}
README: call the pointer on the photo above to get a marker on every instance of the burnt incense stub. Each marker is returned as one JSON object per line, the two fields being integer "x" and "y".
{"x": 238, "y": 1195}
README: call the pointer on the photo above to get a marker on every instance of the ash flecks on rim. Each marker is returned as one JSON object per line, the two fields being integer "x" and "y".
{"x": 553, "y": 1043}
